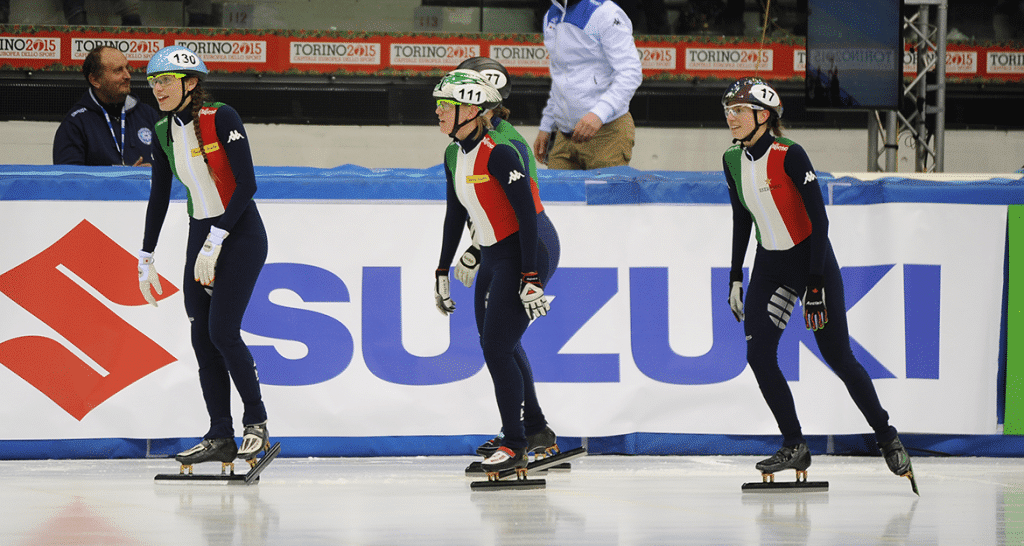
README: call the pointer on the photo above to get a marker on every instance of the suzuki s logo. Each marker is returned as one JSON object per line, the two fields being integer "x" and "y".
{"x": 50, "y": 286}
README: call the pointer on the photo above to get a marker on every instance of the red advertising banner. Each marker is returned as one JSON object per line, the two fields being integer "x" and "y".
{"x": 356, "y": 53}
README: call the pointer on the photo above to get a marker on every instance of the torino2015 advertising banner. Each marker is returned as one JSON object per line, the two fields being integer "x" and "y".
{"x": 302, "y": 52}
{"x": 348, "y": 343}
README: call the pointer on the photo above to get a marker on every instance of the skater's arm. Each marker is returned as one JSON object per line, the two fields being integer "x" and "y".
{"x": 741, "y": 225}
{"x": 454, "y": 220}
{"x": 798, "y": 168}
{"x": 231, "y": 132}
{"x": 505, "y": 165}
{"x": 159, "y": 199}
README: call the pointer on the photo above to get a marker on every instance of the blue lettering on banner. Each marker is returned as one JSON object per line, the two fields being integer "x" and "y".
{"x": 383, "y": 351}
{"x": 857, "y": 282}
{"x": 329, "y": 343}
{"x": 648, "y": 309}
{"x": 921, "y": 289}
{"x": 580, "y": 294}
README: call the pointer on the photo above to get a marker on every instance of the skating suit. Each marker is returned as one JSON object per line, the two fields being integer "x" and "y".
{"x": 773, "y": 187}
{"x": 224, "y": 201}
{"x": 488, "y": 180}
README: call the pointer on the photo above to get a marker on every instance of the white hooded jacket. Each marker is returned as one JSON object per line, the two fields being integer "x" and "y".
{"x": 595, "y": 66}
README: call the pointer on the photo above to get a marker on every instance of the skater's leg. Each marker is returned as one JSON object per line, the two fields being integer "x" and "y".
{"x": 548, "y": 253}
{"x": 768, "y": 308}
{"x": 834, "y": 343}
{"x": 238, "y": 268}
{"x": 533, "y": 416}
{"x": 214, "y": 379}
{"x": 505, "y": 321}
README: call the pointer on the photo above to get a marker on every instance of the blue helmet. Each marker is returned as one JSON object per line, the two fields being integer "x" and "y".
{"x": 178, "y": 59}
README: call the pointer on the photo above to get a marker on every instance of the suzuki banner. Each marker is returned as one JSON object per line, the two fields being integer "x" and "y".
{"x": 348, "y": 343}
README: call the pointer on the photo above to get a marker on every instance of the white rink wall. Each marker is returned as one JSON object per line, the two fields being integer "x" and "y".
{"x": 417, "y": 147}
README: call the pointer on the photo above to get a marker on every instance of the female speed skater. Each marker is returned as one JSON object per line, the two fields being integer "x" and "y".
{"x": 488, "y": 182}
{"x": 469, "y": 262}
{"x": 773, "y": 187}
{"x": 204, "y": 145}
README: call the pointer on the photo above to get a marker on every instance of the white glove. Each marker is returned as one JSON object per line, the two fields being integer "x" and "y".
{"x": 442, "y": 296}
{"x": 469, "y": 264}
{"x": 206, "y": 261}
{"x": 532, "y": 294}
{"x": 736, "y": 299}
{"x": 148, "y": 277}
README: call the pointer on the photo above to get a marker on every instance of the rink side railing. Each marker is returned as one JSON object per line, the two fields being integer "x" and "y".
{"x": 44, "y": 188}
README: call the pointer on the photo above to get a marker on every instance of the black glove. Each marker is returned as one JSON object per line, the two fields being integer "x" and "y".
{"x": 815, "y": 312}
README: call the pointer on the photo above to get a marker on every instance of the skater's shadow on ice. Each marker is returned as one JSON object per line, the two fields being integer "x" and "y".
{"x": 226, "y": 514}
{"x": 524, "y": 517}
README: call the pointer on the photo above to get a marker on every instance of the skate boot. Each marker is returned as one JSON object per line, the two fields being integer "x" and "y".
{"x": 505, "y": 459}
{"x": 217, "y": 449}
{"x": 542, "y": 444}
{"x": 488, "y": 448}
{"x": 898, "y": 461}
{"x": 254, "y": 440}
{"x": 797, "y": 457}
{"x": 896, "y": 456}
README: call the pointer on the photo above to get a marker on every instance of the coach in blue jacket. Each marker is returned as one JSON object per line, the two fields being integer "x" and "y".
{"x": 108, "y": 126}
{"x": 595, "y": 69}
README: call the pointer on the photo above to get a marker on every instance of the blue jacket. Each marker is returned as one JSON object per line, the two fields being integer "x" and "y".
{"x": 85, "y": 138}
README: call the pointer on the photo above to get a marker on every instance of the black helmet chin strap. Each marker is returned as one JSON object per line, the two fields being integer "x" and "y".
{"x": 170, "y": 115}
{"x": 456, "y": 125}
{"x": 757, "y": 125}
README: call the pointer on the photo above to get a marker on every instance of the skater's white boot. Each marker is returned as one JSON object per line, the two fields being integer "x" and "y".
{"x": 506, "y": 458}
{"x": 254, "y": 440}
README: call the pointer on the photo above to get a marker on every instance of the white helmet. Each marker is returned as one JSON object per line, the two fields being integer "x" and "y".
{"x": 466, "y": 86}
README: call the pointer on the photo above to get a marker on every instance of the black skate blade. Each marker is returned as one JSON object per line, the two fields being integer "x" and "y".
{"x": 913, "y": 482}
{"x": 783, "y": 487}
{"x": 238, "y": 479}
{"x": 254, "y": 473}
{"x": 489, "y": 485}
{"x": 558, "y": 461}
{"x": 475, "y": 470}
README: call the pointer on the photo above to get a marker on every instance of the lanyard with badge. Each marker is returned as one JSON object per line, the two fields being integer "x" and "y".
{"x": 110, "y": 125}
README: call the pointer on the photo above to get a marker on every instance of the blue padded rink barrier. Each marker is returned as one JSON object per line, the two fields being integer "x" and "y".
{"x": 634, "y": 489}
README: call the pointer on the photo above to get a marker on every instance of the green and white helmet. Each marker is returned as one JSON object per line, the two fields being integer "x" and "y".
{"x": 466, "y": 86}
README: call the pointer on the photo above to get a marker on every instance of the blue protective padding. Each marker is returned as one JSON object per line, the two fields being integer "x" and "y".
{"x": 988, "y": 191}
{"x": 641, "y": 443}
{"x": 611, "y": 186}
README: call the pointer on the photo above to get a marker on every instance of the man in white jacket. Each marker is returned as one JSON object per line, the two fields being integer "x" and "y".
{"x": 595, "y": 69}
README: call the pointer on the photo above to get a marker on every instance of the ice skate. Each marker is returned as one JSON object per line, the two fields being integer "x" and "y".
{"x": 488, "y": 448}
{"x": 542, "y": 444}
{"x": 225, "y": 451}
{"x": 217, "y": 449}
{"x": 898, "y": 460}
{"x": 798, "y": 458}
{"x": 504, "y": 459}
{"x": 503, "y": 464}
{"x": 254, "y": 440}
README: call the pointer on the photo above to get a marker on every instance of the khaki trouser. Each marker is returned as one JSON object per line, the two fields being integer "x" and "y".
{"x": 612, "y": 146}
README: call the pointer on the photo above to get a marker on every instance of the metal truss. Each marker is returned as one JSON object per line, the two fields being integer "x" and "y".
{"x": 924, "y": 98}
